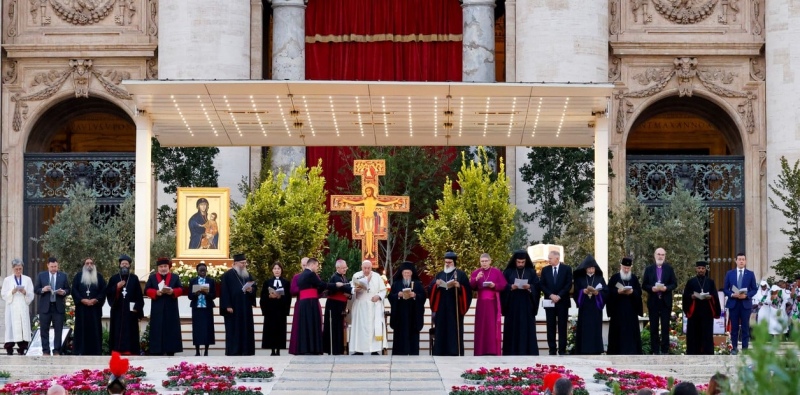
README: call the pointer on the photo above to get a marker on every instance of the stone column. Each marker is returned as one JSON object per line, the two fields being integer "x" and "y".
{"x": 144, "y": 222}
{"x": 478, "y": 41}
{"x": 601, "y": 192}
{"x": 288, "y": 63}
{"x": 558, "y": 41}
{"x": 782, "y": 101}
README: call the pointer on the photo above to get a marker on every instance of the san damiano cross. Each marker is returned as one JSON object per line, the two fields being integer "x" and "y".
{"x": 370, "y": 210}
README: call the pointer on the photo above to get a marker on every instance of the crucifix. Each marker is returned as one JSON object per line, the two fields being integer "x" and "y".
{"x": 88, "y": 291}
{"x": 370, "y": 211}
{"x": 125, "y": 291}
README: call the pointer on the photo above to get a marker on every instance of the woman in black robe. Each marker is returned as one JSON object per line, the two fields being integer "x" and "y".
{"x": 520, "y": 306}
{"x": 308, "y": 312}
{"x": 408, "y": 310}
{"x": 275, "y": 301}
{"x": 590, "y": 296}
{"x": 202, "y": 304}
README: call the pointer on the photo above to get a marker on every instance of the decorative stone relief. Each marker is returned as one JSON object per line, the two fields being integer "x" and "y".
{"x": 614, "y": 72}
{"x": 685, "y": 69}
{"x": 757, "y": 69}
{"x": 152, "y": 30}
{"x": 762, "y": 163}
{"x": 684, "y": 11}
{"x": 757, "y": 28}
{"x": 10, "y": 74}
{"x": 81, "y": 71}
{"x": 5, "y": 165}
{"x": 641, "y": 5}
{"x": 12, "y": 16}
{"x": 127, "y": 10}
{"x": 613, "y": 20}
{"x": 152, "y": 69}
{"x": 729, "y": 8}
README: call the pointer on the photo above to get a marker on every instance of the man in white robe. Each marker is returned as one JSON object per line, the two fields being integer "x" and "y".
{"x": 17, "y": 292}
{"x": 368, "y": 328}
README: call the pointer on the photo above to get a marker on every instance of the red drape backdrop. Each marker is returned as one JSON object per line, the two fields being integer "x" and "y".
{"x": 378, "y": 40}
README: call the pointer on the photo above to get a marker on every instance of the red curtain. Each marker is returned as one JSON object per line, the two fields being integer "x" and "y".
{"x": 378, "y": 40}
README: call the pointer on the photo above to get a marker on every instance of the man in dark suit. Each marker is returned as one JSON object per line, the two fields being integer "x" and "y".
{"x": 52, "y": 287}
{"x": 740, "y": 304}
{"x": 556, "y": 282}
{"x": 659, "y": 281}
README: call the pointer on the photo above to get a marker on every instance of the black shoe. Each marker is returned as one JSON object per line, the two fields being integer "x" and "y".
{"x": 358, "y": 353}
{"x": 277, "y": 353}
{"x": 375, "y": 353}
{"x": 197, "y": 353}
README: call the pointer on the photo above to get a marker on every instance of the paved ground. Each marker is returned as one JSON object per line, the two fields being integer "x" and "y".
{"x": 393, "y": 375}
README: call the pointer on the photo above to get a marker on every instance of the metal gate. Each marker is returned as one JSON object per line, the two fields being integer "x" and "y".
{"x": 48, "y": 178}
{"x": 717, "y": 180}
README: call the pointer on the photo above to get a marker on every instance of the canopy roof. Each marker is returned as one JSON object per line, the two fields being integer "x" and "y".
{"x": 338, "y": 113}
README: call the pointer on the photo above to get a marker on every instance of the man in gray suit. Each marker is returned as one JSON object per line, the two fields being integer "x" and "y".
{"x": 52, "y": 287}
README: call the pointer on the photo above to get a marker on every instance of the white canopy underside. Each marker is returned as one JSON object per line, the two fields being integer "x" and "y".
{"x": 344, "y": 113}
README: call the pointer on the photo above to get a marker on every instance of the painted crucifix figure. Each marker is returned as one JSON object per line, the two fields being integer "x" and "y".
{"x": 369, "y": 211}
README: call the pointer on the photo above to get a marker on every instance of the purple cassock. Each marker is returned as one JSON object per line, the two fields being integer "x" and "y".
{"x": 488, "y": 336}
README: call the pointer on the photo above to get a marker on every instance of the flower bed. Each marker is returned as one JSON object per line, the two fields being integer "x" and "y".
{"x": 84, "y": 382}
{"x": 212, "y": 380}
{"x": 631, "y": 381}
{"x": 255, "y": 374}
{"x": 515, "y": 381}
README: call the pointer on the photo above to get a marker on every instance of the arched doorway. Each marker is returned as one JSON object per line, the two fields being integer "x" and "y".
{"x": 78, "y": 141}
{"x": 692, "y": 142}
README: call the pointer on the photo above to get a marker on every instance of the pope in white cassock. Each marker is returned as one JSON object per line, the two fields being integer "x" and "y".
{"x": 18, "y": 294}
{"x": 368, "y": 328}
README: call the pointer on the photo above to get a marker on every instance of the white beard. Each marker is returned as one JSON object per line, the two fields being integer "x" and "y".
{"x": 625, "y": 276}
{"x": 89, "y": 278}
{"x": 242, "y": 272}
{"x": 449, "y": 270}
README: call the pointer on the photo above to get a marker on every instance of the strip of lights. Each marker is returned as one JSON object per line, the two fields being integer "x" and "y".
{"x": 333, "y": 114}
{"x": 360, "y": 121}
{"x": 511, "y": 118}
{"x": 308, "y": 116}
{"x": 410, "y": 120}
{"x": 536, "y": 121}
{"x": 180, "y": 113}
{"x": 435, "y": 117}
{"x": 486, "y": 116}
{"x": 283, "y": 115}
{"x": 563, "y": 115}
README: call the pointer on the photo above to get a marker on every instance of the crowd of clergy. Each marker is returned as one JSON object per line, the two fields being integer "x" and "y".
{"x": 353, "y": 320}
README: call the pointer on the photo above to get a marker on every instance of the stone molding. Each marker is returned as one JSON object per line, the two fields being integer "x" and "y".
{"x": 681, "y": 11}
{"x": 43, "y": 85}
{"x": 685, "y": 72}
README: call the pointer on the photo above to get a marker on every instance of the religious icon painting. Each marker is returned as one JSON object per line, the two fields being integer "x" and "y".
{"x": 203, "y": 222}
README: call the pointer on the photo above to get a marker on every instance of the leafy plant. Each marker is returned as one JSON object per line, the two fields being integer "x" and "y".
{"x": 787, "y": 190}
{"x": 768, "y": 367}
{"x": 629, "y": 235}
{"x": 475, "y": 219}
{"x": 162, "y": 244}
{"x": 5, "y": 374}
{"x": 284, "y": 219}
{"x": 81, "y": 229}
{"x": 577, "y": 237}
{"x": 340, "y": 248}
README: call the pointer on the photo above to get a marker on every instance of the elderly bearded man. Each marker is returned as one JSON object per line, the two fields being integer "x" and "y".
{"x": 451, "y": 296}
{"x": 89, "y": 294}
{"x": 368, "y": 330}
{"x": 236, "y": 300}
{"x": 124, "y": 296}
{"x": 408, "y": 310}
{"x": 164, "y": 287}
{"x": 624, "y": 308}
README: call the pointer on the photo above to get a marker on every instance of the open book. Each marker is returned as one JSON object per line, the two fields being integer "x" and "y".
{"x": 279, "y": 291}
{"x": 162, "y": 286}
{"x": 520, "y": 282}
{"x": 361, "y": 282}
{"x": 448, "y": 284}
{"x": 623, "y": 287}
{"x": 661, "y": 286}
{"x": 738, "y": 290}
{"x": 702, "y": 295}
{"x": 247, "y": 285}
{"x": 487, "y": 284}
{"x": 406, "y": 293}
{"x": 198, "y": 287}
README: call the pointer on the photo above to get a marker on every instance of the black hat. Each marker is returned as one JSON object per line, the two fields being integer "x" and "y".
{"x": 124, "y": 257}
{"x": 163, "y": 261}
{"x": 450, "y": 255}
{"x": 201, "y": 200}
{"x": 519, "y": 254}
{"x": 588, "y": 262}
{"x": 239, "y": 257}
{"x": 626, "y": 261}
{"x": 52, "y": 259}
{"x": 701, "y": 264}
{"x": 398, "y": 274}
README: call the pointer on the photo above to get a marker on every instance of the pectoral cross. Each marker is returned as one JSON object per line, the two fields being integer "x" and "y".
{"x": 88, "y": 291}
{"x": 124, "y": 292}
{"x": 369, "y": 211}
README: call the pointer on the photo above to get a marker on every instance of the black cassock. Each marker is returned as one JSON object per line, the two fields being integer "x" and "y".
{"x": 700, "y": 314}
{"x": 335, "y": 307}
{"x": 449, "y": 306}
{"x": 589, "y": 328}
{"x": 520, "y": 307}
{"x": 275, "y": 312}
{"x": 239, "y": 327}
{"x": 624, "y": 336}
{"x": 308, "y": 313}
{"x": 203, "y": 318}
{"x": 407, "y": 318}
{"x": 87, "y": 339}
{"x": 165, "y": 320}
{"x": 124, "y": 331}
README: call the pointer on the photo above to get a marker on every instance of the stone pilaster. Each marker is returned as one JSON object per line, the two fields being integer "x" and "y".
{"x": 478, "y": 42}
{"x": 288, "y": 63}
{"x": 782, "y": 101}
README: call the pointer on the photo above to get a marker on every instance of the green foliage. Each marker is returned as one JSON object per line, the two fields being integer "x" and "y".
{"x": 284, "y": 219}
{"x": 768, "y": 367}
{"x": 556, "y": 174}
{"x": 81, "y": 230}
{"x": 416, "y": 172}
{"x": 519, "y": 240}
{"x": 787, "y": 189}
{"x": 577, "y": 236}
{"x": 106, "y": 344}
{"x": 181, "y": 167}
{"x": 340, "y": 248}
{"x": 162, "y": 244}
{"x": 476, "y": 219}
{"x": 628, "y": 235}
{"x": 681, "y": 227}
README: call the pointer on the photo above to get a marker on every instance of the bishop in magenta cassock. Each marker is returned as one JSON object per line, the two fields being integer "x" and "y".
{"x": 489, "y": 282}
